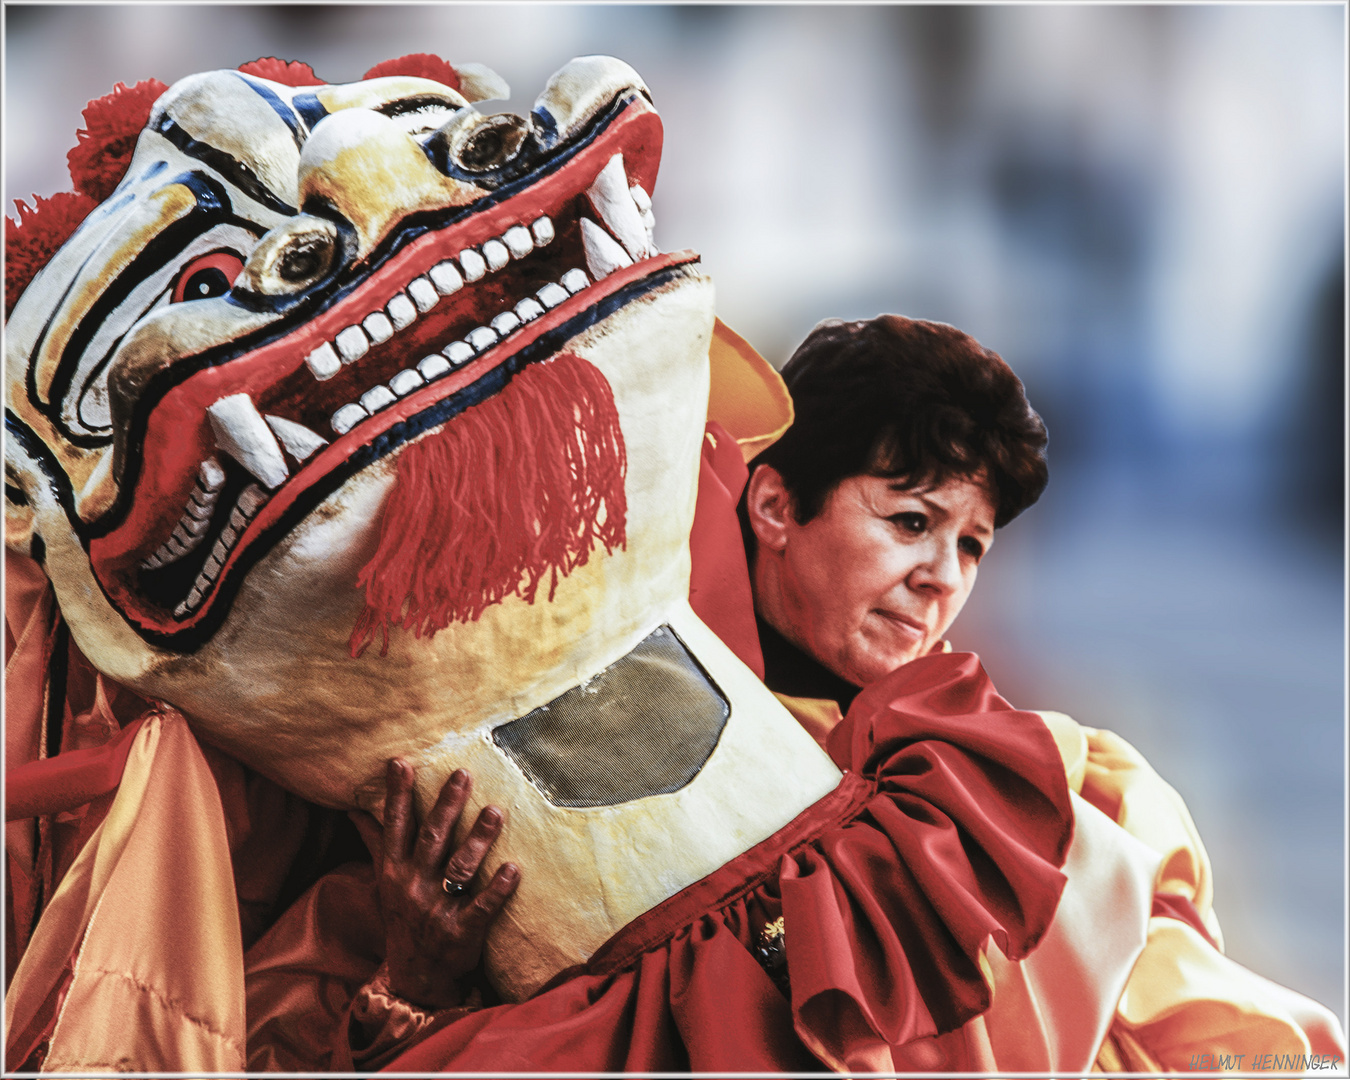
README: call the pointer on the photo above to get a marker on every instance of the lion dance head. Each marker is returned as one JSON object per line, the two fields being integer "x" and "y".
{"x": 355, "y": 422}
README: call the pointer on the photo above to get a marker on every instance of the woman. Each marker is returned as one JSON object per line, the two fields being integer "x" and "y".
{"x": 868, "y": 519}
{"x": 865, "y": 526}
{"x": 870, "y": 933}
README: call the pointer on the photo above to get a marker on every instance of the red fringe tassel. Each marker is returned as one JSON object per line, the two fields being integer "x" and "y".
{"x": 520, "y": 486}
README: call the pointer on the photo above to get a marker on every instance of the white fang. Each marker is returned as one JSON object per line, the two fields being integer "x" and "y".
{"x": 298, "y": 440}
{"x": 613, "y": 201}
{"x": 603, "y": 254}
{"x": 243, "y": 434}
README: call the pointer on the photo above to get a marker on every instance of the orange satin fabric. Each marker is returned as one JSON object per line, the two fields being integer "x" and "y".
{"x": 156, "y": 885}
{"x": 139, "y": 948}
{"x": 159, "y": 919}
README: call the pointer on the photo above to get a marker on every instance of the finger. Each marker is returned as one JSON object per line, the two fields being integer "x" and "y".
{"x": 372, "y": 833}
{"x": 469, "y": 855}
{"x": 398, "y": 782}
{"x": 433, "y": 838}
{"x": 487, "y": 905}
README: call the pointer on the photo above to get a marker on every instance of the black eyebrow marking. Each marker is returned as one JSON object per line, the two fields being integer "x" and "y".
{"x": 285, "y": 112}
{"x": 235, "y": 171}
{"x": 212, "y": 207}
{"x": 309, "y": 108}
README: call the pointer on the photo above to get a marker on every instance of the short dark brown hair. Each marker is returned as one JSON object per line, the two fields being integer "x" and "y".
{"x": 918, "y": 401}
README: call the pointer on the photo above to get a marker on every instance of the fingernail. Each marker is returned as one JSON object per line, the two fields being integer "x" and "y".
{"x": 459, "y": 777}
{"x": 510, "y": 871}
{"x": 492, "y": 815}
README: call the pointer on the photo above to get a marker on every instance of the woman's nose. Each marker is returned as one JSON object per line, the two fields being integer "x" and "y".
{"x": 940, "y": 571}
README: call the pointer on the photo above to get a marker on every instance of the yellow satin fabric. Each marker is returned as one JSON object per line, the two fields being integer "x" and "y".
{"x": 746, "y": 395}
{"x": 1184, "y": 999}
{"x": 1112, "y": 775}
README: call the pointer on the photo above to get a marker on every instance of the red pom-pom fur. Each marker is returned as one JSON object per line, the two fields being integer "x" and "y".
{"x": 286, "y": 72}
{"x": 520, "y": 486}
{"x": 419, "y": 66}
{"x": 112, "y": 124}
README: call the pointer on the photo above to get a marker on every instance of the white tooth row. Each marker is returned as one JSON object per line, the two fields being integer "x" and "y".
{"x": 423, "y": 293}
{"x": 251, "y": 500}
{"x": 458, "y": 353}
{"x": 627, "y": 213}
{"x": 191, "y": 528}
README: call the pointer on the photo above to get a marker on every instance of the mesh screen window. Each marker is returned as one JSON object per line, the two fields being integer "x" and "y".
{"x": 644, "y": 726}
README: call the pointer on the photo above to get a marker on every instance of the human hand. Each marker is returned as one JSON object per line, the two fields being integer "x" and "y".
{"x": 434, "y": 932}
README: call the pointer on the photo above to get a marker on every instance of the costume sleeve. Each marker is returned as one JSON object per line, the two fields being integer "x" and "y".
{"x": 1186, "y": 1005}
{"x": 382, "y": 1024}
{"x": 960, "y": 846}
{"x": 1126, "y": 788}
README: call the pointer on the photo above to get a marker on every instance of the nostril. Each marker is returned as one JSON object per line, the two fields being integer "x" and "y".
{"x": 492, "y": 143}
{"x": 292, "y": 257}
{"x": 129, "y": 375}
{"x": 307, "y": 259}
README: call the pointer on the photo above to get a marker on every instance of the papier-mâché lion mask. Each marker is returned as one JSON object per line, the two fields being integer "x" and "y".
{"x": 357, "y": 423}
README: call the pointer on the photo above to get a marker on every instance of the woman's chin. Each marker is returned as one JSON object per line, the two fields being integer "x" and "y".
{"x": 863, "y": 670}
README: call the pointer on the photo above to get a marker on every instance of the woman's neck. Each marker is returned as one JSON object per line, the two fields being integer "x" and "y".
{"x": 789, "y": 670}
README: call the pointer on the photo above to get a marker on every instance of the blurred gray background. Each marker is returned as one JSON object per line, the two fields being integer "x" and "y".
{"x": 1140, "y": 208}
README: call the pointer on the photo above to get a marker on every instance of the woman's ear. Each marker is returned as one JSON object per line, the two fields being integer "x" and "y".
{"x": 768, "y": 504}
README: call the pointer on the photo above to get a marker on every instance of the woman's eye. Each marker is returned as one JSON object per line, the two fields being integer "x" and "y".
{"x": 911, "y": 522}
{"x": 972, "y": 547}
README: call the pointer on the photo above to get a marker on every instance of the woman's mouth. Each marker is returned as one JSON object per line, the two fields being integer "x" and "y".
{"x": 906, "y": 624}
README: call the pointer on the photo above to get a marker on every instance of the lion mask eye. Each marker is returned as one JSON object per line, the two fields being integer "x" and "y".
{"x": 492, "y": 142}
{"x": 207, "y": 276}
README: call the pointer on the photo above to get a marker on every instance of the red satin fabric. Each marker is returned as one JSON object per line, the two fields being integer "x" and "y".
{"x": 949, "y": 830}
{"x": 719, "y": 579}
{"x": 1183, "y": 909}
{"x": 57, "y": 784}
{"x": 962, "y": 821}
